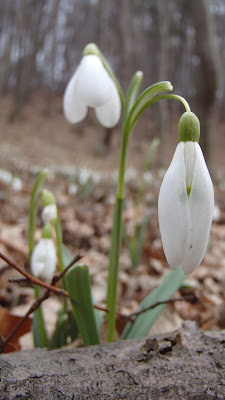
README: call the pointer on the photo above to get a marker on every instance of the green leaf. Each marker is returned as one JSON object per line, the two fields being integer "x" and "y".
{"x": 79, "y": 288}
{"x": 140, "y": 239}
{"x": 40, "y": 336}
{"x": 33, "y": 208}
{"x": 39, "y": 329}
{"x": 170, "y": 284}
{"x": 59, "y": 337}
{"x": 132, "y": 92}
{"x": 143, "y": 101}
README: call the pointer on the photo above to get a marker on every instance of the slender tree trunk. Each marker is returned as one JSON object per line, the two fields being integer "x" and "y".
{"x": 207, "y": 75}
{"x": 163, "y": 61}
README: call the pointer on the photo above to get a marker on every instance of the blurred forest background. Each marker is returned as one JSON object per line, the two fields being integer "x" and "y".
{"x": 182, "y": 41}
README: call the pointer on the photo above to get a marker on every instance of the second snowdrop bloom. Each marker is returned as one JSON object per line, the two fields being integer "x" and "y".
{"x": 43, "y": 258}
{"x": 92, "y": 86}
{"x": 186, "y": 200}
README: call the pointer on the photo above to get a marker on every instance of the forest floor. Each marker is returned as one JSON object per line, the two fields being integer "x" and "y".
{"x": 82, "y": 176}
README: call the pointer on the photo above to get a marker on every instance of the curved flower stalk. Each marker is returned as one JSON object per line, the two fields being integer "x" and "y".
{"x": 186, "y": 200}
{"x": 92, "y": 86}
{"x": 43, "y": 258}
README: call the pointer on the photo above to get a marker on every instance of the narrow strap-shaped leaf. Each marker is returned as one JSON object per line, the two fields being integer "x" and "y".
{"x": 140, "y": 239}
{"x": 59, "y": 337}
{"x": 33, "y": 207}
{"x": 143, "y": 101}
{"x": 79, "y": 288}
{"x": 67, "y": 257}
{"x": 170, "y": 284}
{"x": 132, "y": 92}
{"x": 39, "y": 329}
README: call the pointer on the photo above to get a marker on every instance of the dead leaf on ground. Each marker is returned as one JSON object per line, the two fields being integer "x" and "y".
{"x": 8, "y": 322}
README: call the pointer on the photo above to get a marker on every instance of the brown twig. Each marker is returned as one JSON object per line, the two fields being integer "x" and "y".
{"x": 56, "y": 278}
{"x": 36, "y": 303}
{"x": 131, "y": 317}
{"x": 51, "y": 288}
{"x": 31, "y": 278}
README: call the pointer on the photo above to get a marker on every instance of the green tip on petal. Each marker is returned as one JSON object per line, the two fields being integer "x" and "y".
{"x": 47, "y": 198}
{"x": 189, "y": 128}
{"x": 188, "y": 190}
{"x": 91, "y": 48}
{"x": 47, "y": 232}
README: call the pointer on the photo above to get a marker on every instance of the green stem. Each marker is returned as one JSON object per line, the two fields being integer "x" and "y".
{"x": 39, "y": 329}
{"x": 59, "y": 240}
{"x": 33, "y": 208}
{"x": 129, "y": 123}
{"x": 114, "y": 267}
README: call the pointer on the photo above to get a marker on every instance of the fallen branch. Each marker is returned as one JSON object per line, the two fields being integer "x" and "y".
{"x": 187, "y": 364}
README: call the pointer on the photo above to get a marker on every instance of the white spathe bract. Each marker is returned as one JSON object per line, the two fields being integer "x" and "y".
{"x": 91, "y": 86}
{"x": 185, "y": 208}
{"x": 43, "y": 260}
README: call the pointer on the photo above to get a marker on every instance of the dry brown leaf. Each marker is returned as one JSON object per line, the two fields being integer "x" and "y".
{"x": 8, "y": 322}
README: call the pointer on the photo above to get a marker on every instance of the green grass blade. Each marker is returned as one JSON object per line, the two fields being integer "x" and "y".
{"x": 140, "y": 240}
{"x": 170, "y": 284}
{"x": 33, "y": 208}
{"x": 79, "y": 288}
{"x": 39, "y": 329}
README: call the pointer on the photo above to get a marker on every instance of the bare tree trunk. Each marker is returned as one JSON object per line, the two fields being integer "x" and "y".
{"x": 163, "y": 60}
{"x": 207, "y": 75}
{"x": 184, "y": 365}
{"x": 126, "y": 41}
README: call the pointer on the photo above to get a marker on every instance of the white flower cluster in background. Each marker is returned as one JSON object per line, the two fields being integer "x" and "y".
{"x": 8, "y": 179}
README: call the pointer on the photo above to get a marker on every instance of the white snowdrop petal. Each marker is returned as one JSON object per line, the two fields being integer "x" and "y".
{"x": 73, "y": 106}
{"x": 189, "y": 160}
{"x": 94, "y": 84}
{"x": 49, "y": 213}
{"x": 43, "y": 260}
{"x": 201, "y": 203}
{"x": 173, "y": 210}
{"x": 109, "y": 113}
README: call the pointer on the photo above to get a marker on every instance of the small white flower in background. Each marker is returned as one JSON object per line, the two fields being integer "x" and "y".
{"x": 16, "y": 184}
{"x": 130, "y": 175}
{"x": 49, "y": 213}
{"x": 5, "y": 176}
{"x": 92, "y": 86}
{"x": 72, "y": 189}
{"x": 148, "y": 178}
{"x": 43, "y": 260}
{"x": 186, "y": 200}
{"x": 216, "y": 214}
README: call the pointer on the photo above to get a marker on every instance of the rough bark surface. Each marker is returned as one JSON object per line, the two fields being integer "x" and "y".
{"x": 187, "y": 364}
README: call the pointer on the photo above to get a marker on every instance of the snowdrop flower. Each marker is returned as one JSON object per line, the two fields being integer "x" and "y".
{"x": 186, "y": 200}
{"x": 43, "y": 259}
{"x": 92, "y": 86}
{"x": 16, "y": 184}
{"x": 49, "y": 214}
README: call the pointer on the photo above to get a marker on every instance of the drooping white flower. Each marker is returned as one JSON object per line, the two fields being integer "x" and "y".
{"x": 43, "y": 260}
{"x": 49, "y": 213}
{"x": 92, "y": 86}
{"x": 185, "y": 207}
